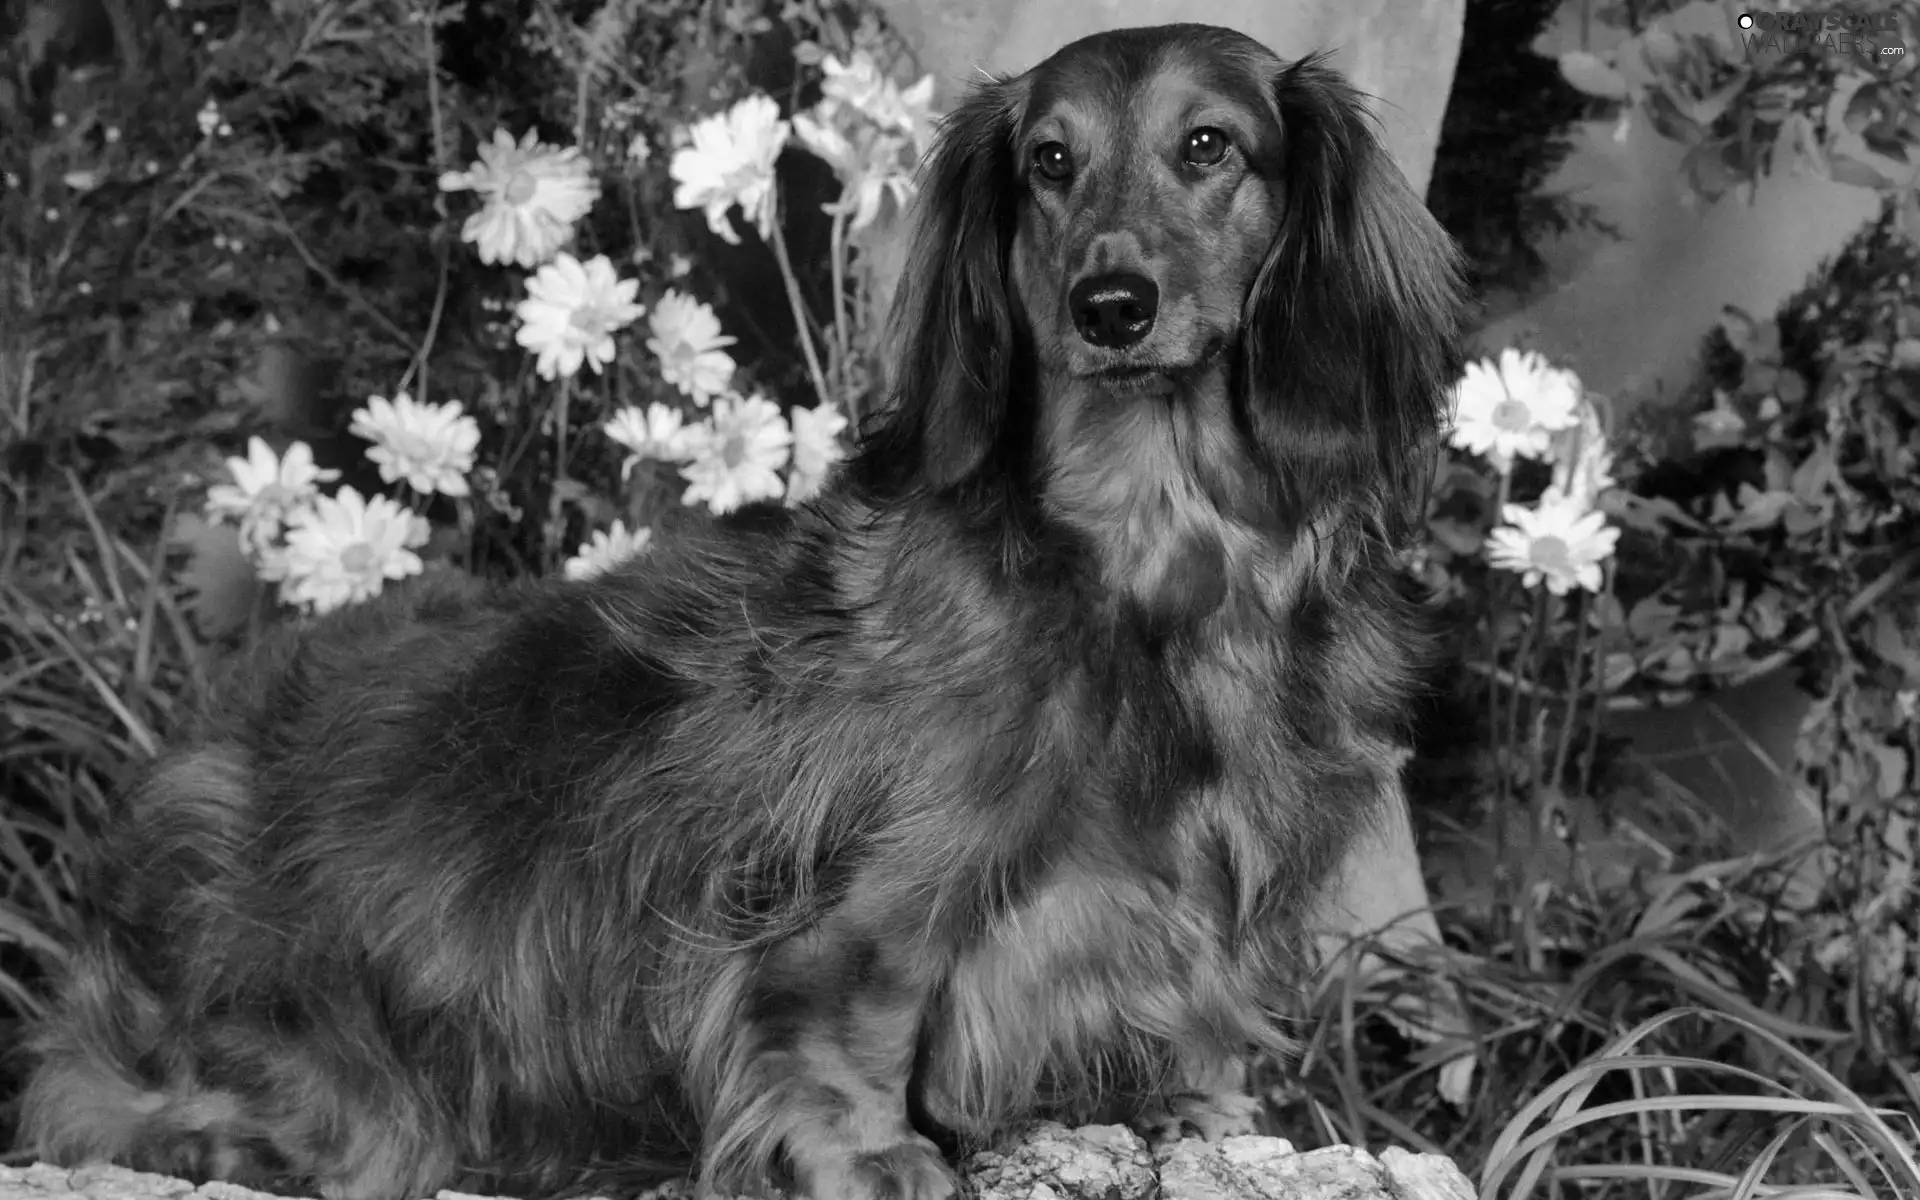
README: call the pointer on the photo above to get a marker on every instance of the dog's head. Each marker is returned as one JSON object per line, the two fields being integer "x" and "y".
{"x": 1149, "y": 206}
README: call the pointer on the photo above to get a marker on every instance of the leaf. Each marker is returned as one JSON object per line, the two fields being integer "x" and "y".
{"x": 1739, "y": 328}
{"x": 1652, "y": 514}
{"x": 1729, "y": 641}
{"x": 1889, "y": 769}
{"x": 1817, "y": 476}
{"x": 1861, "y": 167}
{"x": 1758, "y": 509}
{"x": 222, "y": 587}
{"x": 1712, "y": 106}
{"x": 1617, "y": 670}
{"x": 1891, "y": 643}
{"x": 1658, "y": 43}
{"x": 1764, "y": 615}
{"x": 1593, "y": 75}
{"x": 1652, "y": 619}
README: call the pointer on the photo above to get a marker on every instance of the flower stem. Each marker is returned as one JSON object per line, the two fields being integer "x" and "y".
{"x": 842, "y": 349}
{"x": 556, "y": 520}
{"x": 432, "y": 53}
{"x": 800, "y": 325}
{"x": 1494, "y": 724}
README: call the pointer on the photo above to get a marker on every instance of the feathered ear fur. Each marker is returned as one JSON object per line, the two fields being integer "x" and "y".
{"x": 954, "y": 338}
{"x": 1353, "y": 322}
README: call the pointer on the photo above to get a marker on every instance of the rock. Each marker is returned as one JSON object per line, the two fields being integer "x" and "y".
{"x": 1050, "y": 1162}
{"x": 1053, "y": 1162}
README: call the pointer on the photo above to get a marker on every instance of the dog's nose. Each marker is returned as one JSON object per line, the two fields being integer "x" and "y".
{"x": 1114, "y": 311}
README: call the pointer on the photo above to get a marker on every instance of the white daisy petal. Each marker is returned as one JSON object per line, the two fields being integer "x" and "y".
{"x": 608, "y": 549}
{"x": 571, "y": 313}
{"x": 690, "y": 347}
{"x": 739, "y": 455}
{"x": 1513, "y": 407}
{"x": 430, "y": 446}
{"x": 816, "y": 447}
{"x": 534, "y": 196}
{"x": 344, "y": 548}
{"x": 266, "y": 490}
{"x": 728, "y": 159}
{"x": 1560, "y": 543}
{"x": 658, "y": 433}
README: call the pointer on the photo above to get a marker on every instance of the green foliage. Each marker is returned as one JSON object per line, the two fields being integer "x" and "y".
{"x": 1783, "y": 531}
{"x": 1815, "y": 95}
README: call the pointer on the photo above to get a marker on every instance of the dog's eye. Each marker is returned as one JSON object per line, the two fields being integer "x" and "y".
{"x": 1206, "y": 146}
{"x": 1054, "y": 161}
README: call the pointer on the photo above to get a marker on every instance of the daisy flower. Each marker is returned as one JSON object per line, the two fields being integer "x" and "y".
{"x": 345, "y": 547}
{"x": 870, "y": 168}
{"x": 816, "y": 447}
{"x": 657, "y": 433}
{"x": 534, "y": 194}
{"x": 429, "y": 445}
{"x": 1561, "y": 543}
{"x": 691, "y": 349}
{"x": 572, "y": 311}
{"x": 857, "y": 83}
{"x": 1513, "y": 407}
{"x": 860, "y": 85}
{"x": 607, "y": 549}
{"x": 739, "y": 455}
{"x": 727, "y": 160}
{"x": 266, "y": 490}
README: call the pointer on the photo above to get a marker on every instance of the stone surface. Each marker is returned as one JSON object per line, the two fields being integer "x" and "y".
{"x": 1052, "y": 1162}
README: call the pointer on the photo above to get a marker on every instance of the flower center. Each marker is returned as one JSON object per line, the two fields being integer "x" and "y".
{"x": 413, "y": 447}
{"x": 521, "y": 186}
{"x": 586, "y": 319}
{"x": 274, "y": 496}
{"x": 733, "y": 451}
{"x": 357, "y": 559}
{"x": 1512, "y": 416}
{"x": 1551, "y": 553}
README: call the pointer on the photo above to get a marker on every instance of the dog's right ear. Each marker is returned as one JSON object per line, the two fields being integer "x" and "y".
{"x": 952, "y": 336}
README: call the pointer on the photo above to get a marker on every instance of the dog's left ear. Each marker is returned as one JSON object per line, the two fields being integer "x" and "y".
{"x": 1353, "y": 325}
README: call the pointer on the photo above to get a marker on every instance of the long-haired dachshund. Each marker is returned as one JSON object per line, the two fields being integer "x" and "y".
{"x": 992, "y": 784}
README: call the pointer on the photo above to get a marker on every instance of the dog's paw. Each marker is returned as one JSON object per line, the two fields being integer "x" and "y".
{"x": 909, "y": 1170}
{"x": 1208, "y": 1115}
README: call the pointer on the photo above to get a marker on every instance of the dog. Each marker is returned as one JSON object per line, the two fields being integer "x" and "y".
{"x": 990, "y": 785}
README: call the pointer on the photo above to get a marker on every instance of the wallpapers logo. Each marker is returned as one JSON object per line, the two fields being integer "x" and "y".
{"x": 1869, "y": 35}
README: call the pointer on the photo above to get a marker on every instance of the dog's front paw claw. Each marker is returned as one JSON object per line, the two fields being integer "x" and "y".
{"x": 1208, "y": 1115}
{"x": 912, "y": 1170}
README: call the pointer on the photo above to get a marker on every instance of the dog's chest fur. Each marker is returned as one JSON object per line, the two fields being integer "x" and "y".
{"x": 1141, "y": 922}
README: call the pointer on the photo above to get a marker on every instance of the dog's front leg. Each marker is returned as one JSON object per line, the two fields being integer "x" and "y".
{"x": 814, "y": 1095}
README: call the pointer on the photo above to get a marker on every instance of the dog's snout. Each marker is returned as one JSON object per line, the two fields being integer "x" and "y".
{"x": 1114, "y": 311}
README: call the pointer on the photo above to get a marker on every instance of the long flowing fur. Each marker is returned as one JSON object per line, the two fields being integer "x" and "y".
{"x": 992, "y": 784}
